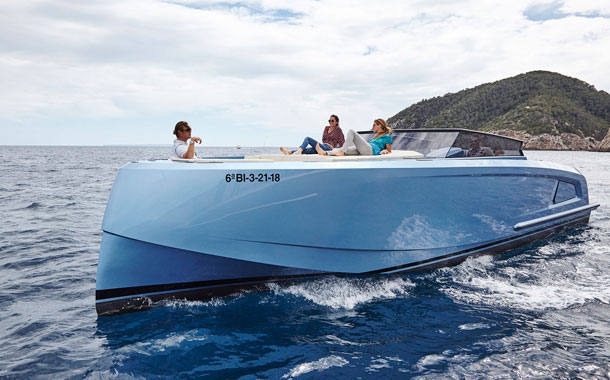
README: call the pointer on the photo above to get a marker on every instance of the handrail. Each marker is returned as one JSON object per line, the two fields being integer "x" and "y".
{"x": 548, "y": 218}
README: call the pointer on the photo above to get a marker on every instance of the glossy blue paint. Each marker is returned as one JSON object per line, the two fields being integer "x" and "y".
{"x": 131, "y": 263}
{"x": 173, "y": 222}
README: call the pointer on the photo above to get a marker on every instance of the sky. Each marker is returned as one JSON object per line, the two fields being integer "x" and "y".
{"x": 268, "y": 72}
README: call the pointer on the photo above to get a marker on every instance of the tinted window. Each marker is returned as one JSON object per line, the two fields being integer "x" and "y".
{"x": 565, "y": 192}
{"x": 473, "y": 144}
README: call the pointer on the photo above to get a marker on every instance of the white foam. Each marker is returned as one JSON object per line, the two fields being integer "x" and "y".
{"x": 177, "y": 304}
{"x": 319, "y": 365}
{"x": 112, "y": 374}
{"x": 346, "y": 293}
{"x": 173, "y": 340}
{"x": 552, "y": 282}
{"x": 377, "y": 364}
{"x": 448, "y": 357}
{"x": 331, "y": 339}
{"x": 474, "y": 326}
{"x": 380, "y": 363}
{"x": 430, "y": 360}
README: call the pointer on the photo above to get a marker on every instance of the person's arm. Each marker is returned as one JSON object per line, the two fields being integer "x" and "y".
{"x": 190, "y": 152}
{"x": 388, "y": 149}
{"x": 326, "y": 137}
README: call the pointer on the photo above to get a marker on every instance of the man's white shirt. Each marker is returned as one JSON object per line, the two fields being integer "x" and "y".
{"x": 180, "y": 147}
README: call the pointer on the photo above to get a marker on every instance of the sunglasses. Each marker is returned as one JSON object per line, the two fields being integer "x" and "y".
{"x": 332, "y": 121}
{"x": 186, "y": 129}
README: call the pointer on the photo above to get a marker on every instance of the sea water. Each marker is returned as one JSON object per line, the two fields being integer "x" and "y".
{"x": 540, "y": 311}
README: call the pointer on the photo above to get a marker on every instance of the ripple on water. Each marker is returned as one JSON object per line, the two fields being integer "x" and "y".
{"x": 33, "y": 206}
{"x": 316, "y": 366}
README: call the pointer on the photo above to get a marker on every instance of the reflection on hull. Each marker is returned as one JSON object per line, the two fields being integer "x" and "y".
{"x": 176, "y": 230}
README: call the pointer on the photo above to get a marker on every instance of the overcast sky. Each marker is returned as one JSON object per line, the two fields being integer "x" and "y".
{"x": 268, "y": 72}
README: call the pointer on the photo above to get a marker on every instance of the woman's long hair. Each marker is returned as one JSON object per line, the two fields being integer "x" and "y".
{"x": 384, "y": 126}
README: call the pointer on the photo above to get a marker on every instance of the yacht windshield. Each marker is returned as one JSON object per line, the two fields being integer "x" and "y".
{"x": 473, "y": 144}
{"x": 452, "y": 143}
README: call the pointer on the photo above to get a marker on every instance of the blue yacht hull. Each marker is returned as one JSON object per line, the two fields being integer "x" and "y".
{"x": 201, "y": 230}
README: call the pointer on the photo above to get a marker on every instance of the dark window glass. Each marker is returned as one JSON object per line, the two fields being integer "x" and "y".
{"x": 472, "y": 144}
{"x": 452, "y": 143}
{"x": 565, "y": 192}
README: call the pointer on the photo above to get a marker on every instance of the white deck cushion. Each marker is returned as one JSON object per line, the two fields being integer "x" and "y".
{"x": 396, "y": 154}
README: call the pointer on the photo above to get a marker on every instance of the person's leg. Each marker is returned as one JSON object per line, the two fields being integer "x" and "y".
{"x": 312, "y": 143}
{"x": 351, "y": 151}
{"x": 348, "y": 144}
{"x": 321, "y": 151}
{"x": 363, "y": 146}
{"x": 308, "y": 141}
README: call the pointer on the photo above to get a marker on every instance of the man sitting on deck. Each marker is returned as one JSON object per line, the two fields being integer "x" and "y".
{"x": 182, "y": 149}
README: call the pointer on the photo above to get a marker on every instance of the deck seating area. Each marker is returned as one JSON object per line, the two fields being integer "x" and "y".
{"x": 396, "y": 154}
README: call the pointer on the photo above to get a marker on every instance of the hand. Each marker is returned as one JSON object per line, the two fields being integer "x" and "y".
{"x": 385, "y": 151}
{"x": 196, "y": 139}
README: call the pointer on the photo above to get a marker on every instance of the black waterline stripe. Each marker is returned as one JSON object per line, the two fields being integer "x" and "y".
{"x": 136, "y": 290}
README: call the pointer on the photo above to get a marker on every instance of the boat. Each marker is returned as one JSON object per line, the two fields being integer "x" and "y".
{"x": 196, "y": 229}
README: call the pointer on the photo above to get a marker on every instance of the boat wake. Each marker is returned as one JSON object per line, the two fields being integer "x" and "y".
{"x": 552, "y": 279}
{"x": 211, "y": 303}
{"x": 346, "y": 293}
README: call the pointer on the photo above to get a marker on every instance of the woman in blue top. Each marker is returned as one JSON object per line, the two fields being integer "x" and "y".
{"x": 356, "y": 144}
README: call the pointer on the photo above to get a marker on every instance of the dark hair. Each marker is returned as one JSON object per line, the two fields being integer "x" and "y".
{"x": 179, "y": 126}
{"x": 336, "y": 118}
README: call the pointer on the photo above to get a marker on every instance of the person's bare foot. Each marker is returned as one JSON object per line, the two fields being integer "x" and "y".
{"x": 298, "y": 151}
{"x": 285, "y": 151}
{"x": 320, "y": 151}
{"x": 339, "y": 152}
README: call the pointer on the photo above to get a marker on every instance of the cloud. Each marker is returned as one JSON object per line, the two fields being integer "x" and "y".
{"x": 543, "y": 11}
{"x": 271, "y": 69}
{"x": 266, "y": 14}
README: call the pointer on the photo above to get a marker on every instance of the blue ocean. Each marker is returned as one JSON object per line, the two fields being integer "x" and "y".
{"x": 539, "y": 312}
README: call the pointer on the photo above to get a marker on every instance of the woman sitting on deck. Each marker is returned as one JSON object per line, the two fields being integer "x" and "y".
{"x": 356, "y": 144}
{"x": 331, "y": 138}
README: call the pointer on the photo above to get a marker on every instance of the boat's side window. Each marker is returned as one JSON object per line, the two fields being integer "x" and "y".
{"x": 565, "y": 192}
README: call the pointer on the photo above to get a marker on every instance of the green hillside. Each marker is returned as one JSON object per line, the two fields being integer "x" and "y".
{"x": 536, "y": 102}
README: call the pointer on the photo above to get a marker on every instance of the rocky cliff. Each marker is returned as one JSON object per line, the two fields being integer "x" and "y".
{"x": 562, "y": 141}
{"x": 604, "y": 145}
